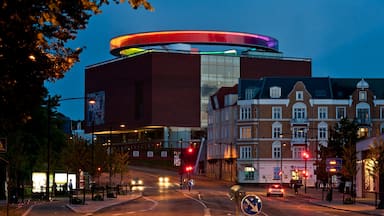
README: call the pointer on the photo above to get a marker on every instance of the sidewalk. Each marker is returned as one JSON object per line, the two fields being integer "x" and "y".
{"x": 94, "y": 206}
{"x": 318, "y": 197}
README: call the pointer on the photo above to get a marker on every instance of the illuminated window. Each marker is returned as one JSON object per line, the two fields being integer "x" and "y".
{"x": 362, "y": 132}
{"x": 245, "y": 133}
{"x": 249, "y": 173}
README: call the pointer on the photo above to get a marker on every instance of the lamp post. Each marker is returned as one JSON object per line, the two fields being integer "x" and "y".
{"x": 281, "y": 161}
{"x": 306, "y": 156}
{"x": 181, "y": 163}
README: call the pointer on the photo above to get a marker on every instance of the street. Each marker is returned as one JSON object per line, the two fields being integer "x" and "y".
{"x": 206, "y": 198}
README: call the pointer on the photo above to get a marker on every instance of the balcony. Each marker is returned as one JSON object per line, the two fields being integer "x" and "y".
{"x": 298, "y": 140}
{"x": 299, "y": 121}
{"x": 363, "y": 121}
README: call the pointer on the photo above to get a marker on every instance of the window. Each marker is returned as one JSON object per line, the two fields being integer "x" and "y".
{"x": 299, "y": 95}
{"x": 245, "y": 133}
{"x": 250, "y": 93}
{"x": 323, "y": 112}
{"x": 299, "y": 112}
{"x": 362, "y": 113}
{"x": 322, "y": 132}
{"x": 249, "y": 173}
{"x": 298, "y": 152}
{"x": 299, "y": 133}
{"x": 382, "y": 128}
{"x": 245, "y": 152}
{"x": 276, "y": 130}
{"x": 276, "y": 112}
{"x": 362, "y": 95}
{"x": 340, "y": 112}
{"x": 275, "y": 92}
{"x": 245, "y": 112}
{"x": 276, "y": 150}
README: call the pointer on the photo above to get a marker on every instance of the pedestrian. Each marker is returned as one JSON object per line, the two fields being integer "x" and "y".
{"x": 296, "y": 188}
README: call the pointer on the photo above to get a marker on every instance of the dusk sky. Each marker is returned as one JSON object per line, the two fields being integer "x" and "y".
{"x": 343, "y": 38}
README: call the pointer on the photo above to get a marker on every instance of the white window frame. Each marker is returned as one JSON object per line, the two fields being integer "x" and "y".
{"x": 276, "y": 130}
{"x": 275, "y": 92}
{"x": 250, "y": 93}
{"x": 298, "y": 152}
{"x": 362, "y": 95}
{"x": 245, "y": 113}
{"x": 245, "y": 132}
{"x": 299, "y": 95}
{"x": 343, "y": 109}
{"x": 299, "y": 111}
{"x": 322, "y": 112}
{"x": 276, "y": 112}
{"x": 276, "y": 150}
{"x": 322, "y": 132}
{"x": 245, "y": 152}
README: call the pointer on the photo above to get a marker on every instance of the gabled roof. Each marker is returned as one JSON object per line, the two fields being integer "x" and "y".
{"x": 318, "y": 87}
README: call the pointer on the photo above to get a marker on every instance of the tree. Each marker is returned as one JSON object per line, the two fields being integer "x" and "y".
{"x": 121, "y": 160}
{"x": 33, "y": 49}
{"x": 376, "y": 153}
{"x": 342, "y": 144}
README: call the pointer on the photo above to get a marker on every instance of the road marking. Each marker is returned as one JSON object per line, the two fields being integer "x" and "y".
{"x": 207, "y": 211}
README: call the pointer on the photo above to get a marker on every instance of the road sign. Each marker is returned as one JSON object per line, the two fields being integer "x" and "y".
{"x": 251, "y": 205}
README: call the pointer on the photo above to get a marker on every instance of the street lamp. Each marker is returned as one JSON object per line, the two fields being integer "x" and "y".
{"x": 281, "y": 161}
{"x": 181, "y": 163}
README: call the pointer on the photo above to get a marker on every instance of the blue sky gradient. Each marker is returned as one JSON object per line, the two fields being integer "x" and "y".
{"x": 343, "y": 38}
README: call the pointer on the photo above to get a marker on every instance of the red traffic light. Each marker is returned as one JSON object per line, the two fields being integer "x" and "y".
{"x": 188, "y": 168}
{"x": 190, "y": 150}
{"x": 305, "y": 155}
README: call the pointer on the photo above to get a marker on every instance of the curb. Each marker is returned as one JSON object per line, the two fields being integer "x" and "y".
{"x": 74, "y": 209}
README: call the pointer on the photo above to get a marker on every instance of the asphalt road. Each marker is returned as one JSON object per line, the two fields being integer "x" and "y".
{"x": 207, "y": 198}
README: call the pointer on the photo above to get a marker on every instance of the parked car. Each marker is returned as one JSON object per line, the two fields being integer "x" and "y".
{"x": 275, "y": 190}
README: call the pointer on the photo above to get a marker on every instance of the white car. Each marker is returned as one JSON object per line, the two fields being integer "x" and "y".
{"x": 275, "y": 190}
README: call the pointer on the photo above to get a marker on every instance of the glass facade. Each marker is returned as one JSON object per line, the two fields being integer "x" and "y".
{"x": 216, "y": 71}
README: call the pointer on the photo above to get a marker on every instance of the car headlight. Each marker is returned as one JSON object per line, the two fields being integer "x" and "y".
{"x": 161, "y": 179}
{"x": 166, "y": 179}
{"x": 140, "y": 182}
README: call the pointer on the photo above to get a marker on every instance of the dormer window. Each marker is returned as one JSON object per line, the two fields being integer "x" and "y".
{"x": 362, "y": 95}
{"x": 299, "y": 95}
{"x": 275, "y": 92}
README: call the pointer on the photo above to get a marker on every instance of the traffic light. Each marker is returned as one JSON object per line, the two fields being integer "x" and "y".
{"x": 305, "y": 155}
{"x": 188, "y": 168}
{"x": 190, "y": 150}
